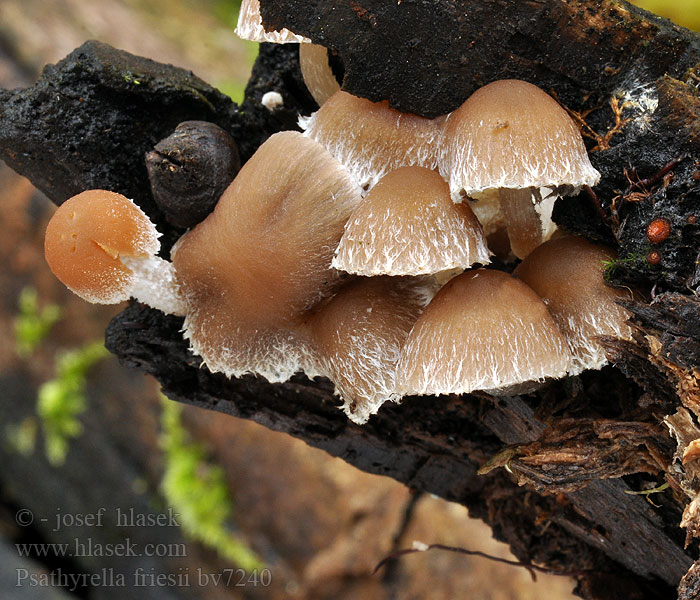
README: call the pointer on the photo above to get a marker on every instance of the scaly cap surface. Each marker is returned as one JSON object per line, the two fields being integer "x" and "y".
{"x": 408, "y": 225}
{"x": 511, "y": 134}
{"x": 484, "y": 330}
{"x": 358, "y": 337}
{"x": 371, "y": 139}
{"x": 567, "y": 273}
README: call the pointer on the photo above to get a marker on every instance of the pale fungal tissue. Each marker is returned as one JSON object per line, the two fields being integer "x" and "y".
{"x": 381, "y": 139}
{"x": 355, "y": 251}
{"x": 250, "y": 27}
{"x": 639, "y": 102}
{"x": 272, "y": 101}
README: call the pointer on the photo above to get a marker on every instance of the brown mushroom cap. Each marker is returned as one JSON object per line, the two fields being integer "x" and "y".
{"x": 358, "y": 336}
{"x": 567, "y": 273}
{"x": 511, "y": 134}
{"x": 484, "y": 330}
{"x": 512, "y": 137}
{"x": 408, "y": 225}
{"x": 250, "y": 27}
{"x": 317, "y": 73}
{"x": 88, "y": 236}
{"x": 254, "y": 265}
{"x": 371, "y": 139}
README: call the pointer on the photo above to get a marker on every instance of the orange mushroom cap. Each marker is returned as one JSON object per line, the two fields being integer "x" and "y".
{"x": 86, "y": 239}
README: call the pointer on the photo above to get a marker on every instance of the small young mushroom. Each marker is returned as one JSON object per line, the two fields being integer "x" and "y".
{"x": 513, "y": 138}
{"x": 103, "y": 248}
{"x": 317, "y": 73}
{"x": 252, "y": 268}
{"x": 567, "y": 273}
{"x": 250, "y": 27}
{"x": 484, "y": 330}
{"x": 357, "y": 337}
{"x": 408, "y": 225}
{"x": 371, "y": 139}
{"x": 272, "y": 101}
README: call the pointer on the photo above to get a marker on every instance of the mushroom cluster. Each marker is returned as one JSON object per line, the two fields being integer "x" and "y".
{"x": 349, "y": 251}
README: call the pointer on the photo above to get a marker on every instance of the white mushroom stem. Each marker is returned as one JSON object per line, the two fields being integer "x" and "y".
{"x": 155, "y": 284}
{"x": 522, "y": 220}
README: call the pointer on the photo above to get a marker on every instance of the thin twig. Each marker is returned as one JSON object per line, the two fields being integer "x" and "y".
{"x": 514, "y": 563}
{"x": 644, "y": 184}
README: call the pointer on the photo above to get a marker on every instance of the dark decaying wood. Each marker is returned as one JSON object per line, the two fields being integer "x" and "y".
{"x": 578, "y": 446}
{"x": 440, "y": 52}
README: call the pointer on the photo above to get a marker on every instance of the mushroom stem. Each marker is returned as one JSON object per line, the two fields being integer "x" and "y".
{"x": 156, "y": 284}
{"x": 522, "y": 220}
{"x": 104, "y": 248}
{"x": 317, "y": 73}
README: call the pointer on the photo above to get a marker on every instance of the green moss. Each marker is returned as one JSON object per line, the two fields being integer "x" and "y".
{"x": 609, "y": 269}
{"x": 32, "y": 324}
{"x": 196, "y": 489}
{"x": 62, "y": 400}
{"x": 21, "y": 437}
{"x": 612, "y": 267}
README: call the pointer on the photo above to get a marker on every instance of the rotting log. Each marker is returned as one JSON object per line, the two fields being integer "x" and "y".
{"x": 579, "y": 446}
